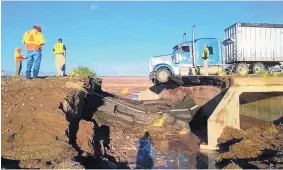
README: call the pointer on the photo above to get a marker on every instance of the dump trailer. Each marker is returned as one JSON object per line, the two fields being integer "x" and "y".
{"x": 246, "y": 49}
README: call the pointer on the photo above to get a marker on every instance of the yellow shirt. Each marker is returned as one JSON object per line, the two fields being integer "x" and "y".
{"x": 59, "y": 48}
{"x": 205, "y": 53}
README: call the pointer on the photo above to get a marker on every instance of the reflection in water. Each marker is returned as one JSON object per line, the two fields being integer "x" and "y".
{"x": 178, "y": 160}
{"x": 145, "y": 152}
{"x": 148, "y": 157}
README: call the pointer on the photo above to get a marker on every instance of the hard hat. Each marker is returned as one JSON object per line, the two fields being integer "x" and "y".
{"x": 18, "y": 49}
{"x": 60, "y": 39}
{"x": 38, "y": 27}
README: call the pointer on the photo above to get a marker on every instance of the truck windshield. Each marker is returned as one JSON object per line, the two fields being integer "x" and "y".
{"x": 175, "y": 50}
{"x": 184, "y": 49}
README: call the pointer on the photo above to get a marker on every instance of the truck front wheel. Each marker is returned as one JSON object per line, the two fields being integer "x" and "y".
{"x": 162, "y": 75}
{"x": 242, "y": 69}
{"x": 258, "y": 67}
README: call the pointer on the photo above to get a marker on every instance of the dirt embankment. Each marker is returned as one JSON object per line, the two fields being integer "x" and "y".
{"x": 42, "y": 127}
{"x": 258, "y": 147}
{"x": 33, "y": 126}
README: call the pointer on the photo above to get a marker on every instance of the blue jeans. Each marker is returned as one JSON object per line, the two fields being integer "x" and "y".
{"x": 33, "y": 57}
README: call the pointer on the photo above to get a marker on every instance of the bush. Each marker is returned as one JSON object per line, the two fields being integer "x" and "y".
{"x": 82, "y": 72}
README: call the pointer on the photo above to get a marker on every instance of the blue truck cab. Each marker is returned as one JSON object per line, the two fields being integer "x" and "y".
{"x": 186, "y": 59}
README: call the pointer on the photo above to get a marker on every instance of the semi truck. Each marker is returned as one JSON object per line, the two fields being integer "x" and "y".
{"x": 247, "y": 48}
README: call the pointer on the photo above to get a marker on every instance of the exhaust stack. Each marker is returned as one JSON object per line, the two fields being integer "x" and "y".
{"x": 193, "y": 46}
{"x": 184, "y": 37}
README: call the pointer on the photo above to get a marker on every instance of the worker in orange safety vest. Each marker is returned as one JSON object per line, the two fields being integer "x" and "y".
{"x": 33, "y": 40}
{"x": 18, "y": 58}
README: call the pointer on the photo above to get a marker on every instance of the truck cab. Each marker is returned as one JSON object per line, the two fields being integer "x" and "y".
{"x": 186, "y": 60}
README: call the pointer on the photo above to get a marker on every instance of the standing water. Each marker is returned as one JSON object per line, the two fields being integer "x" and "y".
{"x": 150, "y": 157}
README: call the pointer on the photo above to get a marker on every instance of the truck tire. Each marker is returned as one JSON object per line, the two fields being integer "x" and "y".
{"x": 162, "y": 75}
{"x": 258, "y": 67}
{"x": 242, "y": 69}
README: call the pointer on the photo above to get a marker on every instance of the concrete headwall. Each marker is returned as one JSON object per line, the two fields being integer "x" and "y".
{"x": 267, "y": 106}
{"x": 227, "y": 112}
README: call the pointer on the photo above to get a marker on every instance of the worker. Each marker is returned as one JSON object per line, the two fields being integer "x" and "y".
{"x": 33, "y": 40}
{"x": 18, "y": 58}
{"x": 59, "y": 50}
{"x": 205, "y": 55}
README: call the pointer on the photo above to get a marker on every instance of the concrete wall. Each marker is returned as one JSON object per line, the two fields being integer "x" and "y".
{"x": 266, "y": 106}
{"x": 227, "y": 112}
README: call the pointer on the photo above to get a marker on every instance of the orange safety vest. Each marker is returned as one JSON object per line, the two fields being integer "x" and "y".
{"x": 18, "y": 57}
{"x": 31, "y": 44}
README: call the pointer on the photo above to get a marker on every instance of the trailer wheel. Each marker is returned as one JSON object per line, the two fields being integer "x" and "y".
{"x": 162, "y": 75}
{"x": 242, "y": 69}
{"x": 258, "y": 67}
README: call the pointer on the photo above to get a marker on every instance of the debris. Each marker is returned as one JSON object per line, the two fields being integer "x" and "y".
{"x": 85, "y": 136}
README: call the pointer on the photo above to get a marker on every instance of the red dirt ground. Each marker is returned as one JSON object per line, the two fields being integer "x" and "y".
{"x": 34, "y": 128}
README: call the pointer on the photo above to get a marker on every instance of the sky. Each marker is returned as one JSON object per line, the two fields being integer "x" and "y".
{"x": 118, "y": 38}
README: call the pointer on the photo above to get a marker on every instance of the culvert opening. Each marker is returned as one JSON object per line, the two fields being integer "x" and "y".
{"x": 260, "y": 108}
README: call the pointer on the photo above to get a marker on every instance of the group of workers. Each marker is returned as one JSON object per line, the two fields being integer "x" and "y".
{"x": 34, "y": 41}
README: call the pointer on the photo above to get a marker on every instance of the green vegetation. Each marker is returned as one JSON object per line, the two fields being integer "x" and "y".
{"x": 267, "y": 74}
{"x": 82, "y": 72}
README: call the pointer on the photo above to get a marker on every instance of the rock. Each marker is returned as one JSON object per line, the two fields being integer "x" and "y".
{"x": 108, "y": 164}
{"x": 69, "y": 165}
{"x": 181, "y": 125}
{"x": 85, "y": 136}
{"x": 232, "y": 166}
{"x": 32, "y": 164}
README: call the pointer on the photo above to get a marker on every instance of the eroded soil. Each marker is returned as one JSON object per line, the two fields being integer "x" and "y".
{"x": 35, "y": 132}
{"x": 256, "y": 147}
{"x": 33, "y": 126}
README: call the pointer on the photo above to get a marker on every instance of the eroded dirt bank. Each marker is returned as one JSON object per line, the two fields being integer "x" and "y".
{"x": 259, "y": 147}
{"x": 42, "y": 127}
{"x": 33, "y": 126}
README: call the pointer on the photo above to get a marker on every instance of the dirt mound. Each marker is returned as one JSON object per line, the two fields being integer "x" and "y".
{"x": 33, "y": 126}
{"x": 252, "y": 148}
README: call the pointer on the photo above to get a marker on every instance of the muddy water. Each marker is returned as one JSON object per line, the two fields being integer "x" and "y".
{"x": 170, "y": 151}
{"x": 183, "y": 160}
{"x": 248, "y": 122}
{"x": 183, "y": 152}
